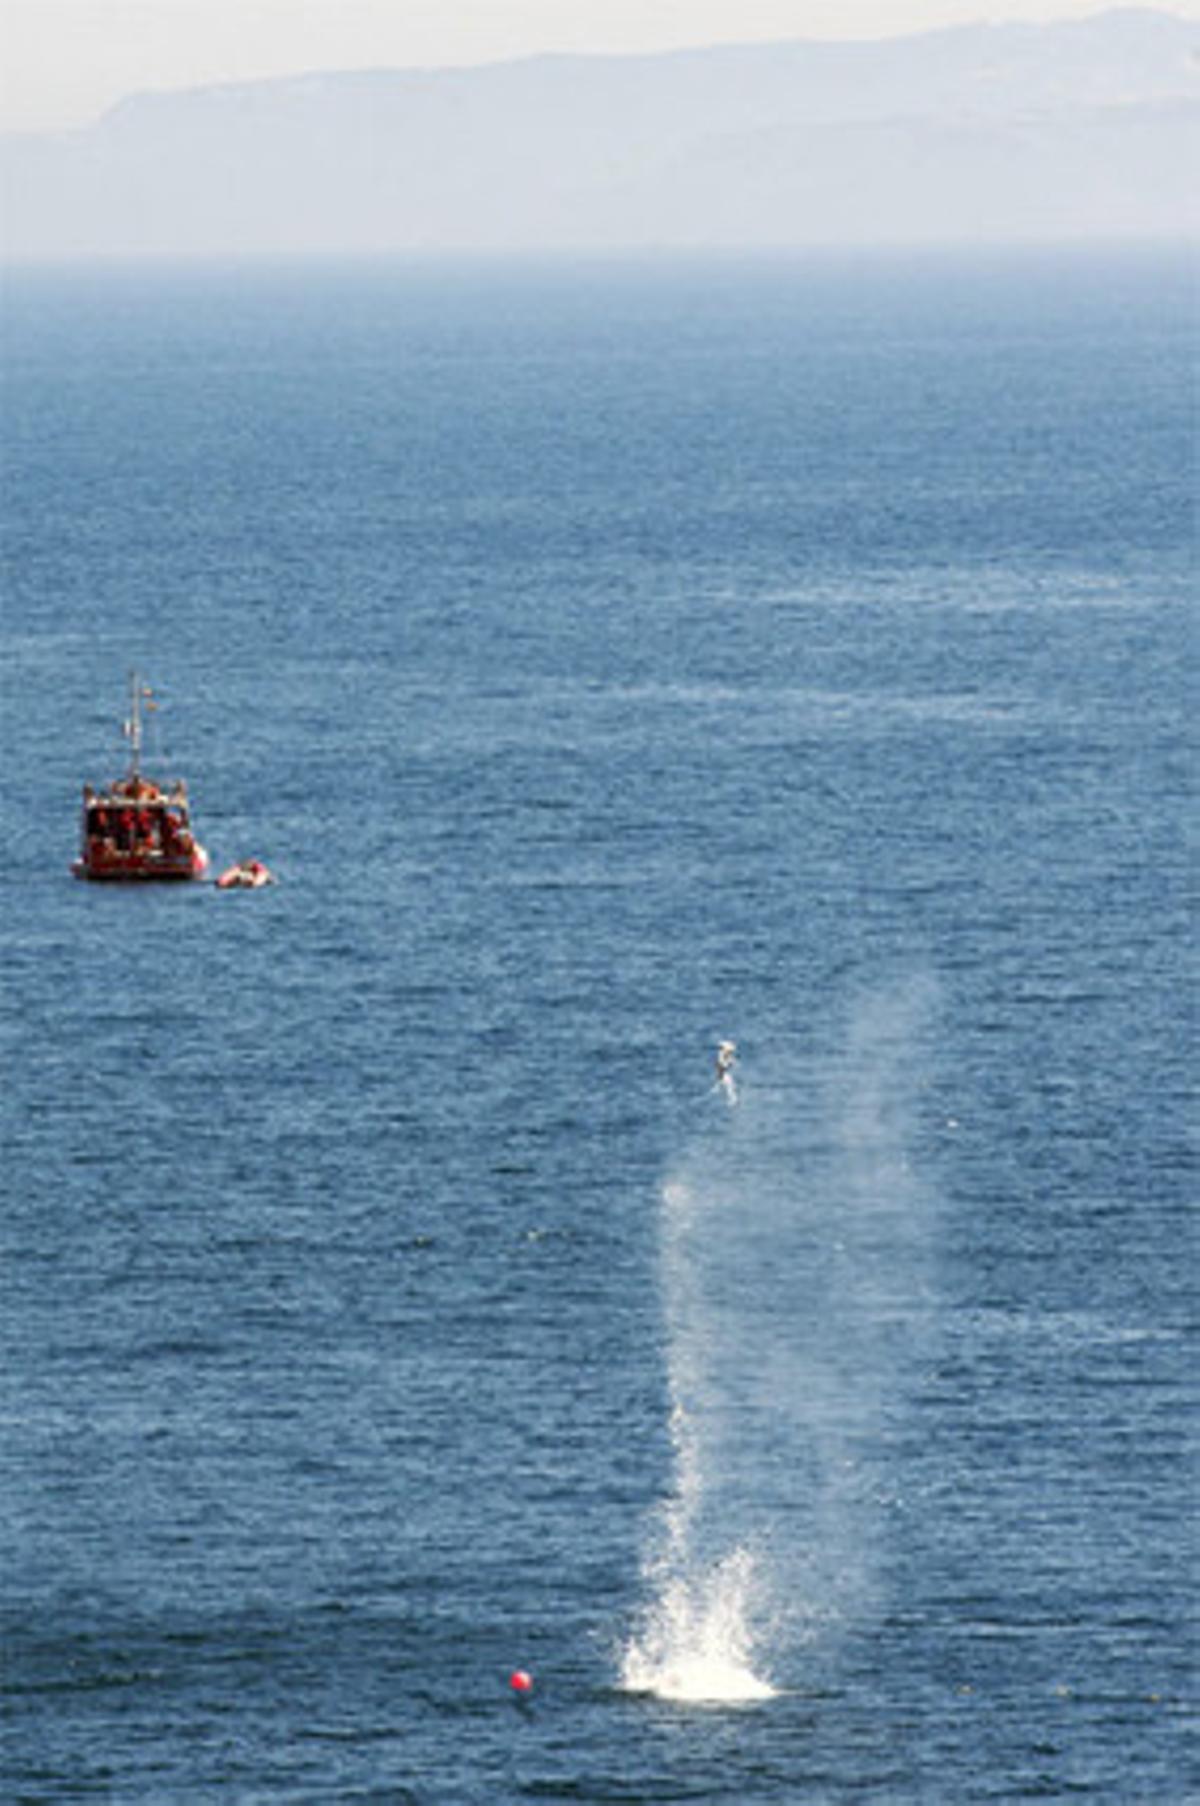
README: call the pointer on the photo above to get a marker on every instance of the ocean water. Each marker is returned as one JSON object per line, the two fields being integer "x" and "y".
{"x": 609, "y": 659}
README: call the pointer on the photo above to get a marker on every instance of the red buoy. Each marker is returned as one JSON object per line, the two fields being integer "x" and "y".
{"x": 520, "y": 1681}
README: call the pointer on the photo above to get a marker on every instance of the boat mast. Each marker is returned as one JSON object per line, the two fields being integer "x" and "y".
{"x": 134, "y": 726}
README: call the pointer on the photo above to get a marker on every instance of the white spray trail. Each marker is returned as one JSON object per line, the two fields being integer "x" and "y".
{"x": 792, "y": 1265}
{"x": 696, "y": 1643}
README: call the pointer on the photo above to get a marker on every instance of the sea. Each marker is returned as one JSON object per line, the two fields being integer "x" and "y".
{"x": 422, "y": 1381}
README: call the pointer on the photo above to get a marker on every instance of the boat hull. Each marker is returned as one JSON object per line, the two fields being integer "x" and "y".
{"x": 141, "y": 868}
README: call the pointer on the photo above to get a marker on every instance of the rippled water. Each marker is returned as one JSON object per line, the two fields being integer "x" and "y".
{"x": 608, "y": 660}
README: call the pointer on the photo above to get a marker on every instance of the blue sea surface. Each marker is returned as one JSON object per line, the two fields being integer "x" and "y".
{"x": 608, "y": 659}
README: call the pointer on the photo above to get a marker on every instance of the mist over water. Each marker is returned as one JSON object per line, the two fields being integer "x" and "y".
{"x": 795, "y": 1268}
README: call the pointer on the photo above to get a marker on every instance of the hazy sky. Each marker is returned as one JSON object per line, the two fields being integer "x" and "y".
{"x": 62, "y": 62}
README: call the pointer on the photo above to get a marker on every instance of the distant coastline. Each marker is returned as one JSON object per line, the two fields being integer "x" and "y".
{"x": 986, "y": 134}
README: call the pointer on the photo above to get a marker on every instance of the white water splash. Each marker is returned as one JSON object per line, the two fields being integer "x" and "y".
{"x": 696, "y": 1645}
{"x": 697, "y": 1640}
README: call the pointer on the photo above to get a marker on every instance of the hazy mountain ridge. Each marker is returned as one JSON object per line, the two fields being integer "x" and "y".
{"x": 1080, "y": 129}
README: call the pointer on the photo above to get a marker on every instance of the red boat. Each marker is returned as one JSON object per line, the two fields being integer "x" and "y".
{"x": 138, "y": 830}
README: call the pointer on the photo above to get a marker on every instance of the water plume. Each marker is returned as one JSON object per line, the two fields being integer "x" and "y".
{"x": 793, "y": 1244}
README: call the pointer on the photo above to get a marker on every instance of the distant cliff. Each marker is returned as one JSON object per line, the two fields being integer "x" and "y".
{"x": 988, "y": 133}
